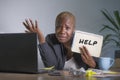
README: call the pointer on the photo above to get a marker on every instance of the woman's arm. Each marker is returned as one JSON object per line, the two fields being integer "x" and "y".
{"x": 47, "y": 55}
{"x": 46, "y": 50}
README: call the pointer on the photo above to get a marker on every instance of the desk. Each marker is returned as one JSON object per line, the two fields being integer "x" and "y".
{"x": 22, "y": 76}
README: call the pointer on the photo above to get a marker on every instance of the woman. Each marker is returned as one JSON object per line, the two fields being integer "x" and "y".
{"x": 55, "y": 49}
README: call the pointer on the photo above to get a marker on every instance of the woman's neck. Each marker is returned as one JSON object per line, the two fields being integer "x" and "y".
{"x": 67, "y": 44}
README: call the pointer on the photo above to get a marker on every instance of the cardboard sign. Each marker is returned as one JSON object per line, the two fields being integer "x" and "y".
{"x": 93, "y": 42}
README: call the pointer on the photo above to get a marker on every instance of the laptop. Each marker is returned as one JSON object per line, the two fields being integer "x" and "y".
{"x": 18, "y": 52}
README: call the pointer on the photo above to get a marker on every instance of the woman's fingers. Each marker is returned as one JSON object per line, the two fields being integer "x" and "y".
{"x": 27, "y": 22}
{"x": 26, "y": 26}
{"x": 30, "y": 25}
{"x": 86, "y": 57}
{"x": 36, "y": 24}
{"x": 84, "y": 53}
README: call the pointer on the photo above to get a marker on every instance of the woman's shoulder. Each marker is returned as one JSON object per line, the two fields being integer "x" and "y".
{"x": 51, "y": 35}
{"x": 51, "y": 38}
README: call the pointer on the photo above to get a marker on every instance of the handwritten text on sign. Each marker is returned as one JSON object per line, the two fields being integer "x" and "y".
{"x": 87, "y": 42}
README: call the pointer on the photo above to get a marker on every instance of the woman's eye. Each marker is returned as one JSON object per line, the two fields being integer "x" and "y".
{"x": 67, "y": 28}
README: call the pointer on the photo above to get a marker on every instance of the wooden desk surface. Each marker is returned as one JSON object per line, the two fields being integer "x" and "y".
{"x": 22, "y": 76}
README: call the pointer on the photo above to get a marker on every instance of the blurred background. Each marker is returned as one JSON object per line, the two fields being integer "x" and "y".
{"x": 88, "y": 15}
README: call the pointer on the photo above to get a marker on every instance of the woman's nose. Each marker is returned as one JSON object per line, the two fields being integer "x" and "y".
{"x": 62, "y": 30}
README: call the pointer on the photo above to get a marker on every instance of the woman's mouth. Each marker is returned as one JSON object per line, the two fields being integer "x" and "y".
{"x": 61, "y": 38}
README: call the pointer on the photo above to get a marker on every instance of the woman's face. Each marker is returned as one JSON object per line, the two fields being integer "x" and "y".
{"x": 65, "y": 29}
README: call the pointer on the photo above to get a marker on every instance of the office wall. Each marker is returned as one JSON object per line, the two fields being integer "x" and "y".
{"x": 87, "y": 12}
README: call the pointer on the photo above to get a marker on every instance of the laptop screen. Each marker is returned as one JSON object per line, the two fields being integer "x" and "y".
{"x": 18, "y": 52}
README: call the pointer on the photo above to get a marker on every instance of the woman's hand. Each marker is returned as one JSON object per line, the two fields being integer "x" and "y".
{"x": 86, "y": 57}
{"x": 33, "y": 27}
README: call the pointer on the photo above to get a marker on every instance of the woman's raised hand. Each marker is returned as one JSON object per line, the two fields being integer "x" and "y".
{"x": 33, "y": 27}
